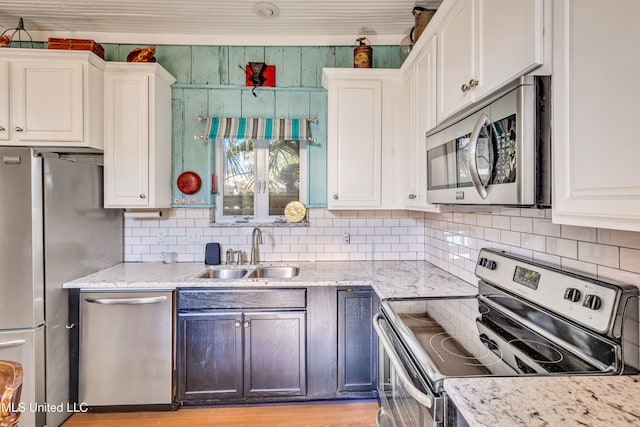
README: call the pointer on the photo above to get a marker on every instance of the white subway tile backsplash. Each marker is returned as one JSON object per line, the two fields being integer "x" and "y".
{"x": 625, "y": 239}
{"x": 545, "y": 257}
{"x": 533, "y": 213}
{"x": 579, "y": 266}
{"x": 524, "y": 225}
{"x": 599, "y": 254}
{"x": 546, "y": 228}
{"x": 449, "y": 240}
{"x": 533, "y": 242}
{"x": 630, "y": 260}
{"x": 628, "y": 277}
{"x": 511, "y": 238}
{"x": 562, "y": 247}
{"x": 586, "y": 234}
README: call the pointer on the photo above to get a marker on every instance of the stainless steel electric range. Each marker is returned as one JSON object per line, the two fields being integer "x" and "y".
{"x": 528, "y": 318}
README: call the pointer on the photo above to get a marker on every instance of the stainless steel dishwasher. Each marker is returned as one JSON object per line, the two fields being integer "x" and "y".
{"x": 126, "y": 353}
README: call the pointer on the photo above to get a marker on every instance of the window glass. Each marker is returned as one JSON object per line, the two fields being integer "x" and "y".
{"x": 259, "y": 178}
{"x": 239, "y": 177}
{"x": 284, "y": 174}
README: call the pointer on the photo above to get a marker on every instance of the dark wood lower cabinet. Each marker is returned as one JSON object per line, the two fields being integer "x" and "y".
{"x": 232, "y": 354}
{"x": 268, "y": 345}
{"x": 357, "y": 343}
{"x": 274, "y": 354}
{"x": 210, "y": 364}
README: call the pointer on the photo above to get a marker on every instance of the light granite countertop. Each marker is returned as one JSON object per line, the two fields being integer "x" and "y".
{"x": 516, "y": 401}
{"x": 388, "y": 278}
{"x": 594, "y": 401}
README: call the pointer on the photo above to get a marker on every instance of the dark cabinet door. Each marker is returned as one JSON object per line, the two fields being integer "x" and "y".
{"x": 209, "y": 355}
{"x": 357, "y": 343}
{"x": 275, "y": 357}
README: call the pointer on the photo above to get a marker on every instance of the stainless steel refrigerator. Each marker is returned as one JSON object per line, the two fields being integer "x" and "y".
{"x": 53, "y": 228}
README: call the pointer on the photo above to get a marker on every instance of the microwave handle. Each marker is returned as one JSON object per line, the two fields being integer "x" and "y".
{"x": 473, "y": 159}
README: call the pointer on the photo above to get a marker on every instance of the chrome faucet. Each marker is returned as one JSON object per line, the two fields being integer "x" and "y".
{"x": 256, "y": 240}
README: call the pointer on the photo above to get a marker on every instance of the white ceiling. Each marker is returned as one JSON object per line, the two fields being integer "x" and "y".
{"x": 227, "y": 22}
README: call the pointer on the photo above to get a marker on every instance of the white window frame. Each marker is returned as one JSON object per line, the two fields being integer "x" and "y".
{"x": 261, "y": 198}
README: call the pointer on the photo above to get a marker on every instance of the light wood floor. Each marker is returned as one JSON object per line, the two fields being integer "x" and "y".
{"x": 350, "y": 414}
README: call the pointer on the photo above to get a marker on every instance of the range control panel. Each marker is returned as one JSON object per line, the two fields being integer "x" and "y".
{"x": 586, "y": 301}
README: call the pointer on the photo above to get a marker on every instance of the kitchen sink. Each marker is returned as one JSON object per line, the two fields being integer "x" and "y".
{"x": 274, "y": 273}
{"x": 222, "y": 273}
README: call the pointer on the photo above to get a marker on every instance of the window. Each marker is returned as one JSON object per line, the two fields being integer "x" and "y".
{"x": 259, "y": 178}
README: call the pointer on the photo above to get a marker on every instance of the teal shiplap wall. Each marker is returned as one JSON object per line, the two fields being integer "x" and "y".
{"x": 211, "y": 82}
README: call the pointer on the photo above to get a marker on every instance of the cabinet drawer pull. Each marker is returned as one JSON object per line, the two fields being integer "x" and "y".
{"x": 335, "y": 197}
{"x": 2, "y": 129}
{"x": 143, "y": 196}
{"x": 465, "y": 88}
{"x": 473, "y": 83}
{"x": 19, "y": 129}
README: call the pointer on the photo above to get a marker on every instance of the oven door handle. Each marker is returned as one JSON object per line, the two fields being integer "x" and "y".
{"x": 401, "y": 372}
{"x": 473, "y": 159}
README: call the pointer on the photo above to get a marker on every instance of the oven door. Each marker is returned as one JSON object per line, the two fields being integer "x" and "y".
{"x": 406, "y": 399}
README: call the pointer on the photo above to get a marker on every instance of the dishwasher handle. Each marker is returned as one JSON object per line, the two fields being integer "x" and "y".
{"x": 413, "y": 391}
{"x": 126, "y": 301}
{"x": 14, "y": 343}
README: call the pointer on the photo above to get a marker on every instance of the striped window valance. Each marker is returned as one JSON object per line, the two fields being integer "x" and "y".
{"x": 255, "y": 128}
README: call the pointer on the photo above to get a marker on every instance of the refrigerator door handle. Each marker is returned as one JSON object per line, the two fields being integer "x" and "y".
{"x": 14, "y": 343}
{"x": 126, "y": 301}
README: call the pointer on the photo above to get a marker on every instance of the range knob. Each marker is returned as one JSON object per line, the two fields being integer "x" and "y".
{"x": 592, "y": 302}
{"x": 572, "y": 294}
{"x": 492, "y": 265}
{"x": 482, "y": 262}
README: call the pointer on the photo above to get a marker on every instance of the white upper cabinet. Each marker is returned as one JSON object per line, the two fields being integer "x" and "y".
{"x": 483, "y": 45}
{"x": 419, "y": 116}
{"x": 455, "y": 59}
{"x": 361, "y": 122}
{"x": 53, "y": 98}
{"x": 137, "y": 152}
{"x": 509, "y": 42}
{"x": 595, "y": 108}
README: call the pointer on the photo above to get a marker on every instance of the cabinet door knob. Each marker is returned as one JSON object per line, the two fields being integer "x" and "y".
{"x": 335, "y": 197}
{"x": 412, "y": 196}
{"x": 19, "y": 129}
{"x": 246, "y": 325}
{"x": 143, "y": 196}
{"x": 2, "y": 129}
{"x": 465, "y": 88}
{"x": 473, "y": 83}
{"x": 238, "y": 323}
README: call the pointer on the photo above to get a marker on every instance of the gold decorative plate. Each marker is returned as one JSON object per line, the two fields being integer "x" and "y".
{"x": 295, "y": 211}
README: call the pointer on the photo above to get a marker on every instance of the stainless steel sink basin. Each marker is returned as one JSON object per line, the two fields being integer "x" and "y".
{"x": 274, "y": 273}
{"x": 222, "y": 273}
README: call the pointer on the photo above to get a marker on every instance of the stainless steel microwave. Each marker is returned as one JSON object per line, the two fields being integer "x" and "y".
{"x": 499, "y": 153}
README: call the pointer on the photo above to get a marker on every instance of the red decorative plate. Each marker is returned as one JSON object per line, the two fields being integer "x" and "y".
{"x": 189, "y": 182}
